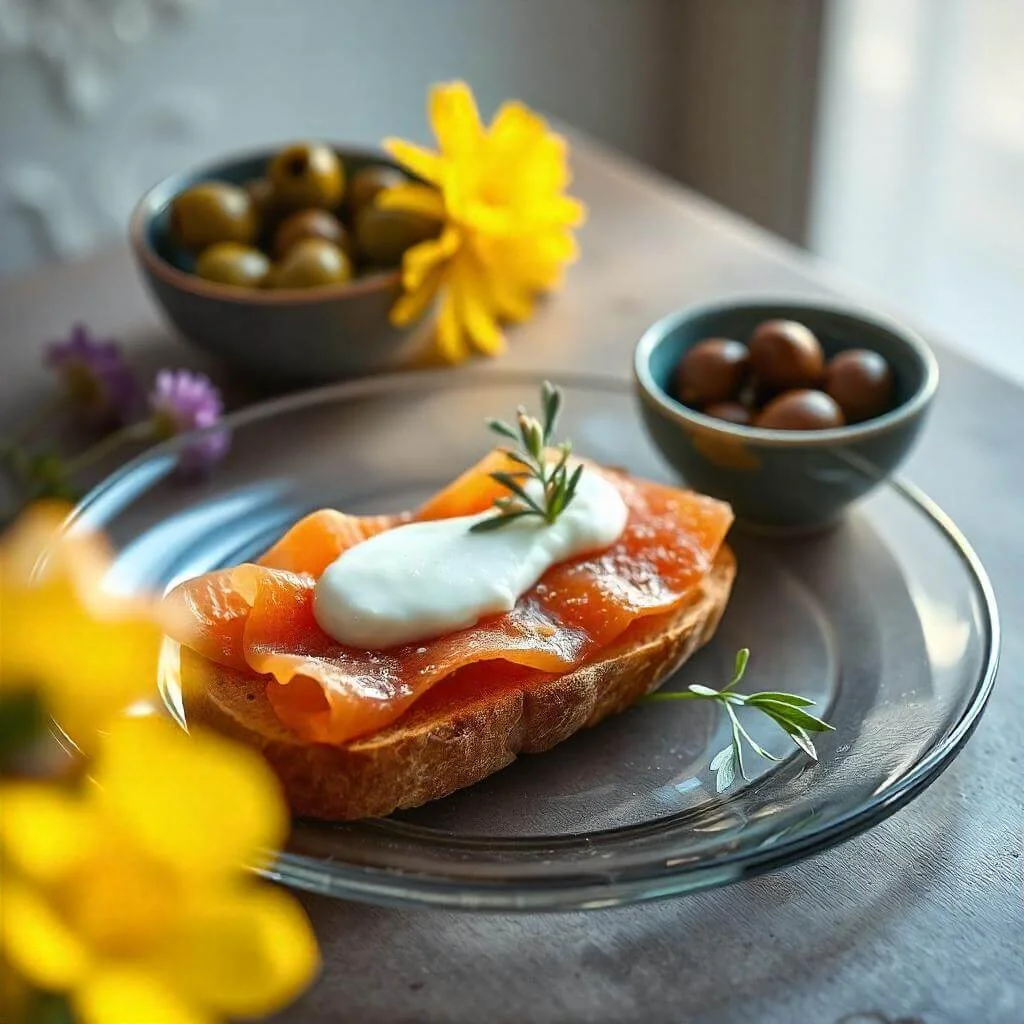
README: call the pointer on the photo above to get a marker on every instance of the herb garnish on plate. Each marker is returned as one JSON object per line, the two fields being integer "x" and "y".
{"x": 787, "y": 710}
{"x": 532, "y": 438}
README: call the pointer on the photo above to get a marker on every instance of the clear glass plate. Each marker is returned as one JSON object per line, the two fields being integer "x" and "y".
{"x": 887, "y": 621}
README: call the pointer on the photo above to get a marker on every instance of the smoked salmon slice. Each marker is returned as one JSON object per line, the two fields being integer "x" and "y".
{"x": 259, "y": 617}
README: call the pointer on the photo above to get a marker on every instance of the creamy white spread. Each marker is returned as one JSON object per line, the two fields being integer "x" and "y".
{"x": 427, "y": 579}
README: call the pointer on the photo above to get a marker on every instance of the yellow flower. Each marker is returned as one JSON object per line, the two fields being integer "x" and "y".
{"x": 507, "y": 235}
{"x": 85, "y": 652}
{"x": 130, "y": 895}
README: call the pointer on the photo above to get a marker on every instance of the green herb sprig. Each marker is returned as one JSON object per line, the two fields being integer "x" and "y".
{"x": 532, "y": 437}
{"x": 787, "y": 710}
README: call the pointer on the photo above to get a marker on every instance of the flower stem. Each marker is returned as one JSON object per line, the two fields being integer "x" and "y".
{"x": 108, "y": 445}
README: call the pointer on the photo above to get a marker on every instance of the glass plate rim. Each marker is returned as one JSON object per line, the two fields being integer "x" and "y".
{"x": 385, "y": 887}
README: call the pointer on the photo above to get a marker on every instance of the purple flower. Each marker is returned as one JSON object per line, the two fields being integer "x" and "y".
{"x": 96, "y": 377}
{"x": 181, "y": 401}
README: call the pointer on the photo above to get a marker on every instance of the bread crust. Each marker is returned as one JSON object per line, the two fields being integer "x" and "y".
{"x": 439, "y": 746}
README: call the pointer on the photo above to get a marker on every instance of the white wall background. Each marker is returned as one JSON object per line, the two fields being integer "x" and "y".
{"x": 920, "y": 171}
{"x": 101, "y": 98}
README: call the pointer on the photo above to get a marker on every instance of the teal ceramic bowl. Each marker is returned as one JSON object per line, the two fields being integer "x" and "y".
{"x": 783, "y": 479}
{"x": 286, "y": 336}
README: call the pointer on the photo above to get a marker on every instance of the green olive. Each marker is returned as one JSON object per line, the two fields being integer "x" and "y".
{"x": 311, "y": 263}
{"x": 232, "y": 263}
{"x": 307, "y": 174}
{"x": 261, "y": 195}
{"x": 382, "y": 236}
{"x": 309, "y": 224}
{"x": 212, "y": 211}
{"x": 364, "y": 186}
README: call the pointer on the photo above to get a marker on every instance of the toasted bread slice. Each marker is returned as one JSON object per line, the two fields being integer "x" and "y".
{"x": 453, "y": 738}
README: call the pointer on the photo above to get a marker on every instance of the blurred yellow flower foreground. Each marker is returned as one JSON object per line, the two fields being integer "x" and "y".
{"x": 131, "y": 895}
{"x": 500, "y": 193}
{"x": 86, "y": 654}
{"x": 129, "y": 891}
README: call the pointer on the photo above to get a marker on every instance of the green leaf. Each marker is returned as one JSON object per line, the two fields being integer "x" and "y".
{"x": 704, "y": 691}
{"x": 725, "y": 754}
{"x": 503, "y": 428}
{"x": 574, "y": 481}
{"x": 736, "y": 741}
{"x": 739, "y": 667}
{"x": 788, "y": 713}
{"x": 516, "y": 457}
{"x": 551, "y": 402}
{"x": 509, "y": 481}
{"x": 800, "y": 738}
{"x": 556, "y": 503}
{"x": 497, "y": 522}
{"x": 559, "y": 470}
{"x": 793, "y": 699}
{"x": 724, "y": 765}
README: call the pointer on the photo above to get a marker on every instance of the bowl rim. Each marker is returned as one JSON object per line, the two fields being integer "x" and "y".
{"x": 684, "y": 416}
{"x": 155, "y": 198}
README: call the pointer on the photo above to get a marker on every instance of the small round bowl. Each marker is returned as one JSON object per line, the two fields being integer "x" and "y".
{"x": 293, "y": 336}
{"x": 783, "y": 479}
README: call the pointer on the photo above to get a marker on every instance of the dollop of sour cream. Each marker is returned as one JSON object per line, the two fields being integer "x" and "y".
{"x": 427, "y": 579}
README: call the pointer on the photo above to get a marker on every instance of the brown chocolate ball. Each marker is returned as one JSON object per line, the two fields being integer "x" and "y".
{"x": 311, "y": 223}
{"x": 785, "y": 354}
{"x": 861, "y": 382}
{"x": 712, "y": 371}
{"x": 733, "y": 412}
{"x": 801, "y": 409}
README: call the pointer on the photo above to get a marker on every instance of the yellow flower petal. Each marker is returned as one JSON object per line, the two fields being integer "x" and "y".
{"x": 511, "y": 303}
{"x": 86, "y": 652}
{"x": 36, "y": 941}
{"x": 477, "y": 313}
{"x": 515, "y": 125}
{"x": 424, "y": 257}
{"x": 122, "y": 901}
{"x": 502, "y": 190}
{"x": 408, "y": 308}
{"x": 44, "y": 832}
{"x": 421, "y": 199}
{"x": 450, "y": 341}
{"x": 193, "y": 800}
{"x": 564, "y": 211}
{"x": 416, "y": 159}
{"x": 557, "y": 247}
{"x": 31, "y": 538}
{"x": 120, "y": 995}
{"x": 455, "y": 120}
{"x": 482, "y": 327}
{"x": 244, "y": 953}
{"x": 488, "y": 219}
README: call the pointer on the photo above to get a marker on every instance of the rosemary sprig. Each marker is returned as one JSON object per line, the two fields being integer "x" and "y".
{"x": 532, "y": 437}
{"x": 787, "y": 710}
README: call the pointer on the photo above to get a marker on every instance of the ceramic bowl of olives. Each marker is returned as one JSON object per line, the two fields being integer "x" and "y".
{"x": 280, "y": 262}
{"x": 788, "y": 410}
